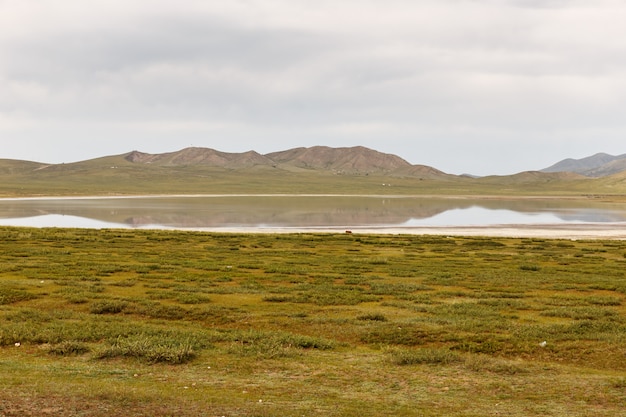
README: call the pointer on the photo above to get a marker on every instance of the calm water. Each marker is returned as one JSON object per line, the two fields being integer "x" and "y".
{"x": 258, "y": 212}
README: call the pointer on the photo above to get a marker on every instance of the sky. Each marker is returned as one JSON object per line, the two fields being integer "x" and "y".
{"x": 466, "y": 86}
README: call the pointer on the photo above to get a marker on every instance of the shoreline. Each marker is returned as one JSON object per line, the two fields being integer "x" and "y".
{"x": 580, "y": 231}
{"x": 612, "y": 231}
{"x": 570, "y": 197}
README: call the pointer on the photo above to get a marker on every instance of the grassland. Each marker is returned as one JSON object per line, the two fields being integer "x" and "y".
{"x": 164, "y": 323}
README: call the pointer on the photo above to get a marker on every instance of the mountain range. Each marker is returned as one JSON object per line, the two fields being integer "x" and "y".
{"x": 356, "y": 160}
{"x": 352, "y": 160}
{"x": 317, "y": 170}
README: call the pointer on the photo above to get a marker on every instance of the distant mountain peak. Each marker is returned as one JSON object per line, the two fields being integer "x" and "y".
{"x": 599, "y": 165}
{"x": 136, "y": 156}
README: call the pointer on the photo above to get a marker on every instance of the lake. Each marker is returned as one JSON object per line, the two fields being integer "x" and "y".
{"x": 259, "y": 213}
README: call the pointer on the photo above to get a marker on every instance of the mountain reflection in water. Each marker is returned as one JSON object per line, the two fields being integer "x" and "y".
{"x": 300, "y": 211}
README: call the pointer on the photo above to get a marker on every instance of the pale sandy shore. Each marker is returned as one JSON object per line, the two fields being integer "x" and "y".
{"x": 610, "y": 231}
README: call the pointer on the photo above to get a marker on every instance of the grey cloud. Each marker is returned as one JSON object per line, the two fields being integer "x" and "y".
{"x": 190, "y": 63}
{"x": 203, "y": 42}
{"x": 456, "y": 70}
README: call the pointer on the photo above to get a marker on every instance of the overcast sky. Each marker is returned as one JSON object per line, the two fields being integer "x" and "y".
{"x": 466, "y": 86}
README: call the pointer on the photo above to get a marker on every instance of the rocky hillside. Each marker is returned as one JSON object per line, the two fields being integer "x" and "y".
{"x": 200, "y": 156}
{"x": 351, "y": 160}
{"x": 356, "y": 160}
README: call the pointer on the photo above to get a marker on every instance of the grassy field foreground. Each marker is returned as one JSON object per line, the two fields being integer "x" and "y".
{"x": 165, "y": 323}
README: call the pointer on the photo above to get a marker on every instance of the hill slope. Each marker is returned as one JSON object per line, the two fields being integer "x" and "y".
{"x": 355, "y": 160}
{"x": 13, "y": 166}
{"x": 598, "y": 165}
{"x": 200, "y": 156}
{"x": 344, "y": 160}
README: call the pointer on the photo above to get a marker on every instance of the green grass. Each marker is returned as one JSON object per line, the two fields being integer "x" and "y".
{"x": 160, "y": 323}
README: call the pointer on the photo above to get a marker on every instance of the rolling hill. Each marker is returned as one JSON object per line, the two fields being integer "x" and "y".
{"x": 342, "y": 160}
{"x": 314, "y": 170}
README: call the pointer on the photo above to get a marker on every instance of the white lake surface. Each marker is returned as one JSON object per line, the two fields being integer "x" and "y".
{"x": 479, "y": 216}
{"x": 261, "y": 212}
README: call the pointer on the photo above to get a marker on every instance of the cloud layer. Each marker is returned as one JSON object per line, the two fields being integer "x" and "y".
{"x": 480, "y": 86}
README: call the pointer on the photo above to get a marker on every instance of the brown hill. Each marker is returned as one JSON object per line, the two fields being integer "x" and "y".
{"x": 354, "y": 160}
{"x": 200, "y": 156}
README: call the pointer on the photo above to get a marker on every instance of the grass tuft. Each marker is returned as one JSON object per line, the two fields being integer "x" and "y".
{"x": 372, "y": 317}
{"x": 152, "y": 349}
{"x": 108, "y": 307}
{"x": 10, "y": 295}
{"x": 68, "y": 348}
{"x": 424, "y": 356}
